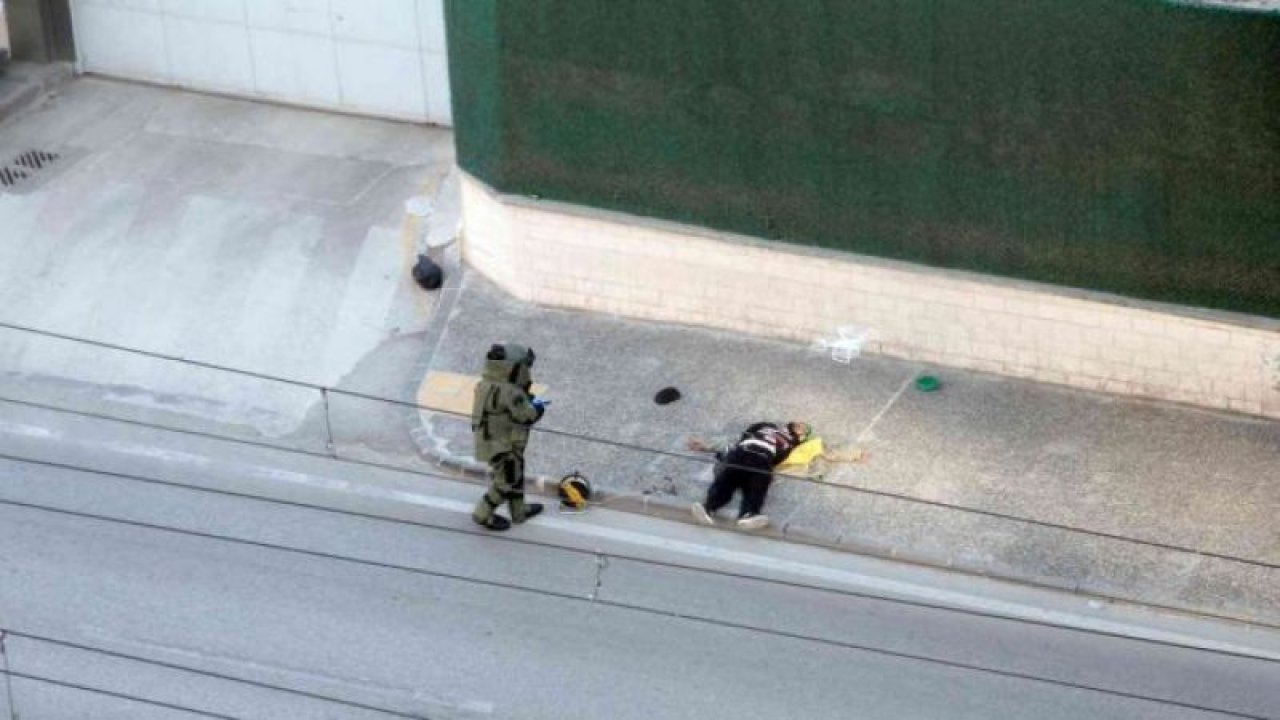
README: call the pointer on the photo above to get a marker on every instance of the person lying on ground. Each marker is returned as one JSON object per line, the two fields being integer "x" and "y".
{"x": 747, "y": 465}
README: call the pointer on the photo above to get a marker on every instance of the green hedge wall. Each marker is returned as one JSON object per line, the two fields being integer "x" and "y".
{"x": 1130, "y": 146}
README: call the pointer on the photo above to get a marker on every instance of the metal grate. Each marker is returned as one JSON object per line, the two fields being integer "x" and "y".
{"x": 35, "y": 159}
{"x": 11, "y": 176}
{"x": 24, "y": 165}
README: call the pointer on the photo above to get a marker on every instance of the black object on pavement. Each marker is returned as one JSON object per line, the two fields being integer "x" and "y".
{"x": 428, "y": 274}
{"x": 666, "y": 396}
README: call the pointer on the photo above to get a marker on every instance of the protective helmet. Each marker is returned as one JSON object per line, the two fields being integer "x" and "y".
{"x": 575, "y": 491}
{"x": 509, "y": 363}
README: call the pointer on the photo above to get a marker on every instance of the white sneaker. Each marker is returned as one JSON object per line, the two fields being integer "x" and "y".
{"x": 753, "y": 522}
{"x": 701, "y": 515}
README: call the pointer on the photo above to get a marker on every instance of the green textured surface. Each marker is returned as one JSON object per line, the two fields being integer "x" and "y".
{"x": 476, "y": 86}
{"x": 1129, "y": 146}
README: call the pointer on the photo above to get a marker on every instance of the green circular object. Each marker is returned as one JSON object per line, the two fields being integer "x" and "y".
{"x": 928, "y": 383}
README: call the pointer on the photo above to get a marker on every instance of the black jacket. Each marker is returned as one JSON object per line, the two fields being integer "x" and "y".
{"x": 768, "y": 440}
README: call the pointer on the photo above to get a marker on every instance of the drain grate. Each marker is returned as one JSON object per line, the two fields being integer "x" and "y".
{"x": 24, "y": 165}
{"x": 35, "y": 159}
{"x": 11, "y": 176}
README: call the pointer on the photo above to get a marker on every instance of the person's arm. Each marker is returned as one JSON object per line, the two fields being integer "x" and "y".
{"x": 522, "y": 408}
{"x": 781, "y": 455}
{"x": 698, "y": 444}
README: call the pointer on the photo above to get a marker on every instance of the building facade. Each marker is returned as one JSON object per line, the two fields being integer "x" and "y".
{"x": 386, "y": 58}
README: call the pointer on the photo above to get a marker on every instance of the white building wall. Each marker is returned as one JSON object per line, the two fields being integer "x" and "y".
{"x": 378, "y": 57}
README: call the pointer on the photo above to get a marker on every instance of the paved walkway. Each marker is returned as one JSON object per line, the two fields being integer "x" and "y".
{"x": 1126, "y": 499}
{"x": 246, "y": 235}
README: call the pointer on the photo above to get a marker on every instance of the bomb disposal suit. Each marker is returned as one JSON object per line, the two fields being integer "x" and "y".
{"x": 501, "y": 416}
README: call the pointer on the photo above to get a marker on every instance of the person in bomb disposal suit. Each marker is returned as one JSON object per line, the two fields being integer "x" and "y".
{"x": 501, "y": 416}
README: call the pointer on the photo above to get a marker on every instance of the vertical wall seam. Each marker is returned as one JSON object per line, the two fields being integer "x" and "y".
{"x": 337, "y": 60}
{"x": 422, "y": 59}
{"x": 168, "y": 76}
{"x": 248, "y": 41}
{"x": 78, "y": 62}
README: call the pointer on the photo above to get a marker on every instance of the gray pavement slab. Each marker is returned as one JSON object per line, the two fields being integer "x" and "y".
{"x": 1143, "y": 501}
{"x": 1183, "y": 476}
{"x": 602, "y": 374}
{"x": 244, "y": 235}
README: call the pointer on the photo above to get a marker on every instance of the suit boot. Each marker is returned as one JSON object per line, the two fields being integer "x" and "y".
{"x": 524, "y": 511}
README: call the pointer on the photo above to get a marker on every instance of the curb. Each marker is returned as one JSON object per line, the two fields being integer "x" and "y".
{"x": 677, "y": 510}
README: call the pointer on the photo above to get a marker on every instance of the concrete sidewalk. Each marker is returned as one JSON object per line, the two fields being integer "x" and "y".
{"x": 1125, "y": 499}
{"x": 247, "y": 235}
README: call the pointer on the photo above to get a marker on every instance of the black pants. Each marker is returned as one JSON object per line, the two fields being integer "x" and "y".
{"x": 741, "y": 470}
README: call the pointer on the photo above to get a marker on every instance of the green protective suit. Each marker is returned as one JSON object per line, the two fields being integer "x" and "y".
{"x": 501, "y": 416}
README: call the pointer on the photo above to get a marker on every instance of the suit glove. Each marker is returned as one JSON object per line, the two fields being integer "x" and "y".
{"x": 540, "y": 406}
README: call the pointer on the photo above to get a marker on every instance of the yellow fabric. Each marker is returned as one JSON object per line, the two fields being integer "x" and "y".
{"x": 804, "y": 453}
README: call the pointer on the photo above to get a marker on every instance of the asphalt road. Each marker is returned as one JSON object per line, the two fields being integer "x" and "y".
{"x": 152, "y": 575}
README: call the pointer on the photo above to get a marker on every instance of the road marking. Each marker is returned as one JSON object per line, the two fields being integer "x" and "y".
{"x": 862, "y": 436}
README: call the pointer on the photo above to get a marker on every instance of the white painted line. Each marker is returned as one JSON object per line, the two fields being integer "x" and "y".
{"x": 862, "y": 436}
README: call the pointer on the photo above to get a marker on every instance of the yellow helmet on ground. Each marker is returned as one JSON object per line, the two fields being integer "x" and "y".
{"x": 575, "y": 491}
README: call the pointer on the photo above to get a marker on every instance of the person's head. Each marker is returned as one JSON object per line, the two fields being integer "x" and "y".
{"x": 509, "y": 362}
{"x": 800, "y": 431}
